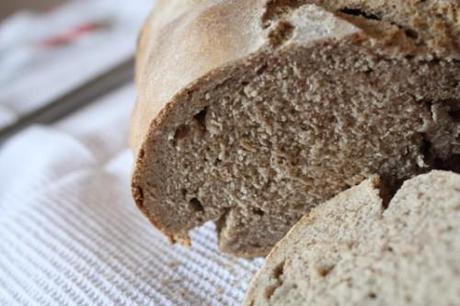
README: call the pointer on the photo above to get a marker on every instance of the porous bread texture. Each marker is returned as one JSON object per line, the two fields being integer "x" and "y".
{"x": 350, "y": 251}
{"x": 251, "y": 118}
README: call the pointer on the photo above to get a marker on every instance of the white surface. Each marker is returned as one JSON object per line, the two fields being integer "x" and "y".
{"x": 71, "y": 235}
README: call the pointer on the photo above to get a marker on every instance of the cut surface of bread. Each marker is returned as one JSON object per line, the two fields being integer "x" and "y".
{"x": 250, "y": 113}
{"x": 352, "y": 251}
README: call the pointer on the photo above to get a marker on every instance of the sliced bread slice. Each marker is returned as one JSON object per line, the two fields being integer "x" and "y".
{"x": 352, "y": 251}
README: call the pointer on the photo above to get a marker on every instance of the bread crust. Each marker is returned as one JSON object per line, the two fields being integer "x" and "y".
{"x": 187, "y": 45}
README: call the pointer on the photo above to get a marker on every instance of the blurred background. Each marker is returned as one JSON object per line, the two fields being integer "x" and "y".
{"x": 50, "y": 47}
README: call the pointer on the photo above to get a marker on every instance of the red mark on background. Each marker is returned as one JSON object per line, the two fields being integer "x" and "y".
{"x": 73, "y": 34}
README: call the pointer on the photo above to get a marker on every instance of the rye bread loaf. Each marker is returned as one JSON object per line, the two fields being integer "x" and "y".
{"x": 250, "y": 113}
{"x": 352, "y": 251}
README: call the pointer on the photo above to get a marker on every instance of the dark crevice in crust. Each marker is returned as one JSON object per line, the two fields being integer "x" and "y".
{"x": 186, "y": 130}
{"x": 277, "y": 274}
{"x": 360, "y": 13}
{"x": 258, "y": 211}
{"x": 325, "y": 270}
{"x": 376, "y": 17}
{"x": 372, "y": 295}
{"x": 455, "y": 114}
{"x": 196, "y": 205}
{"x": 138, "y": 196}
{"x": 427, "y": 150}
{"x": 452, "y": 163}
{"x": 388, "y": 187}
{"x": 261, "y": 69}
{"x": 411, "y": 33}
{"x": 200, "y": 119}
{"x": 441, "y": 145}
{"x": 221, "y": 221}
{"x": 141, "y": 154}
{"x": 445, "y": 114}
{"x": 280, "y": 34}
{"x": 282, "y": 30}
{"x": 276, "y": 9}
{"x": 181, "y": 132}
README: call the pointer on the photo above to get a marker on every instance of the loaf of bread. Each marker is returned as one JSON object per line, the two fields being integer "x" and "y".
{"x": 358, "y": 249}
{"x": 250, "y": 113}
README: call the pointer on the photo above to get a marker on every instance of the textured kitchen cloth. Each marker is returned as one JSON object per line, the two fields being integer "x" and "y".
{"x": 71, "y": 235}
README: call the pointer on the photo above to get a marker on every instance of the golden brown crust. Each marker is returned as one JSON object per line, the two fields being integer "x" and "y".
{"x": 210, "y": 30}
